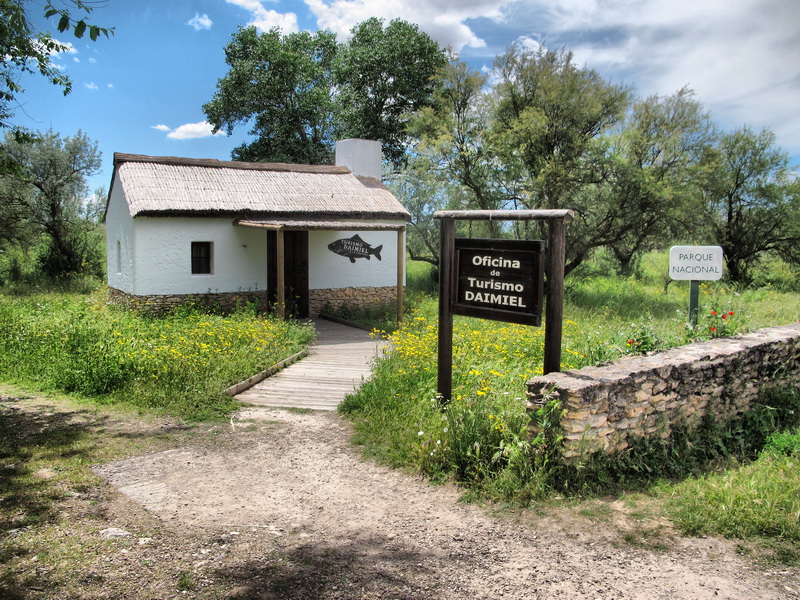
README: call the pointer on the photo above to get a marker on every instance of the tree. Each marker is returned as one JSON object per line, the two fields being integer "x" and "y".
{"x": 47, "y": 197}
{"x": 24, "y": 49}
{"x": 652, "y": 164}
{"x": 423, "y": 187}
{"x": 93, "y": 209}
{"x": 302, "y": 91}
{"x": 533, "y": 140}
{"x": 282, "y": 84}
{"x": 453, "y": 134}
{"x": 751, "y": 199}
{"x": 383, "y": 76}
{"x": 14, "y": 226}
{"x": 549, "y": 111}
{"x": 791, "y": 252}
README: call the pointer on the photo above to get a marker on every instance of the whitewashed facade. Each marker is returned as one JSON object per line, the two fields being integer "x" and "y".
{"x": 160, "y": 209}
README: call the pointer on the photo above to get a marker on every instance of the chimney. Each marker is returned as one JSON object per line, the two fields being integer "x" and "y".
{"x": 362, "y": 157}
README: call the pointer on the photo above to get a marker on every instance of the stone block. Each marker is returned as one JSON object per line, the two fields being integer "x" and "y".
{"x": 578, "y": 415}
{"x": 633, "y": 412}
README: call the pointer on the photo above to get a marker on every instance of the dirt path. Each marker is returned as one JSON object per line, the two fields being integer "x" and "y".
{"x": 280, "y": 506}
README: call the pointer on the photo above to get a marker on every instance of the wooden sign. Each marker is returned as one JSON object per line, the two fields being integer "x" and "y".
{"x": 502, "y": 280}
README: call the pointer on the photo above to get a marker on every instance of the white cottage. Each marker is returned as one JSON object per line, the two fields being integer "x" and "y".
{"x": 292, "y": 237}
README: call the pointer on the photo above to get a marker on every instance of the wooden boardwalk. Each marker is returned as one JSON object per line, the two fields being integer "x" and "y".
{"x": 339, "y": 362}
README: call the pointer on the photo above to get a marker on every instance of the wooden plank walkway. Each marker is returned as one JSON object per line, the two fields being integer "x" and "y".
{"x": 339, "y": 362}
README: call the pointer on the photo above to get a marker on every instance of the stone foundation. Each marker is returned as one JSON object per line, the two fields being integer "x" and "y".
{"x": 354, "y": 297}
{"x": 226, "y": 302}
{"x": 648, "y": 395}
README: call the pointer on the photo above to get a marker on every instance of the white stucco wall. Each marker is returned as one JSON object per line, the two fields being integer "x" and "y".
{"x": 330, "y": 270}
{"x": 120, "y": 242}
{"x": 362, "y": 157}
{"x": 163, "y": 256}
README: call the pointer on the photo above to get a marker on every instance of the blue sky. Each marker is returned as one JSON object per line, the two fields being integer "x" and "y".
{"x": 142, "y": 90}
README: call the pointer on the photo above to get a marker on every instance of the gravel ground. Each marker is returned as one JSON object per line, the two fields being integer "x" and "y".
{"x": 279, "y": 505}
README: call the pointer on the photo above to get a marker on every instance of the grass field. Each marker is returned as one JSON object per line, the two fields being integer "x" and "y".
{"x": 179, "y": 364}
{"x": 75, "y": 342}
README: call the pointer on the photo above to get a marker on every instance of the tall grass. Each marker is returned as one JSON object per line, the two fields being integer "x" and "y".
{"x": 761, "y": 499}
{"x": 481, "y": 438}
{"x": 179, "y": 364}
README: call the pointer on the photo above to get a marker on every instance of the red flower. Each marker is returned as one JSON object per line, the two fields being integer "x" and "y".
{"x": 630, "y": 342}
{"x": 724, "y": 316}
{"x": 731, "y": 313}
{"x": 713, "y": 329}
{"x": 713, "y": 312}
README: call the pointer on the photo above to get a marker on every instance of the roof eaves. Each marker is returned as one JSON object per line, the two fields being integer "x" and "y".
{"x": 251, "y": 215}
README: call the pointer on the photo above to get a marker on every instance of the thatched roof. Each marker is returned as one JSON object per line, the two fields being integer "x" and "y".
{"x": 167, "y": 185}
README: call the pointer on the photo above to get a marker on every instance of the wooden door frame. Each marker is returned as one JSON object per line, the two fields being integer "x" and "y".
{"x": 276, "y": 271}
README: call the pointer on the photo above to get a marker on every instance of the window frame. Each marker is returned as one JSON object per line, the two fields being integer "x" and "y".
{"x": 202, "y": 258}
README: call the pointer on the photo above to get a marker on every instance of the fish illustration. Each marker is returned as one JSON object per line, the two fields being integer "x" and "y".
{"x": 354, "y": 248}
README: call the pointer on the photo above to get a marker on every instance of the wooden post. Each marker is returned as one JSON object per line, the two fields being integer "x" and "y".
{"x": 281, "y": 284}
{"x": 554, "y": 310}
{"x": 445, "y": 373}
{"x": 401, "y": 257}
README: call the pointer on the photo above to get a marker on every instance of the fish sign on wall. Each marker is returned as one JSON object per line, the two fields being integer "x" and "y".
{"x": 354, "y": 248}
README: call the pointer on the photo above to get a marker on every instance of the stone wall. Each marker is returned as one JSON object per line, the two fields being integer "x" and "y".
{"x": 648, "y": 395}
{"x": 354, "y": 297}
{"x": 162, "y": 303}
{"x": 357, "y": 297}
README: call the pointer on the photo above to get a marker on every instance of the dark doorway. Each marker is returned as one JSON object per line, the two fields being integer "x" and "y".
{"x": 295, "y": 264}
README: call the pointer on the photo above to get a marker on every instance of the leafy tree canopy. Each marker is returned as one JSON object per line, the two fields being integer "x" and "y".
{"x": 383, "y": 75}
{"x": 639, "y": 173}
{"x": 751, "y": 200}
{"x": 45, "y": 196}
{"x": 282, "y": 85}
{"x": 301, "y": 91}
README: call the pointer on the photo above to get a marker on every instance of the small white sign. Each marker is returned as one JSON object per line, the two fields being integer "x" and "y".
{"x": 698, "y": 263}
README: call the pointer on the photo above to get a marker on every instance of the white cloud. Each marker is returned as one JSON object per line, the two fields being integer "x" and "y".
{"x": 735, "y": 55}
{"x": 200, "y": 22}
{"x": 190, "y": 131}
{"x": 90, "y": 86}
{"x": 110, "y": 86}
{"x": 161, "y": 127}
{"x": 92, "y": 60}
{"x": 264, "y": 19}
{"x": 68, "y": 48}
{"x": 443, "y": 20}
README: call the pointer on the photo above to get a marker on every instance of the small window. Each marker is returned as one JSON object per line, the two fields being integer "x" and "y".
{"x": 119, "y": 257}
{"x": 201, "y": 258}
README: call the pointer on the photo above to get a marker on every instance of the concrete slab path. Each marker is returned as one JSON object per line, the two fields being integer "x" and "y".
{"x": 339, "y": 362}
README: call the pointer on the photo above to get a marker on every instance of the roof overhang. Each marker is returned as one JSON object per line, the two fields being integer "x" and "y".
{"x": 307, "y": 225}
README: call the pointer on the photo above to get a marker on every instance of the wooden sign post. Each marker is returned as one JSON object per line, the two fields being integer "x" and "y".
{"x": 500, "y": 280}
